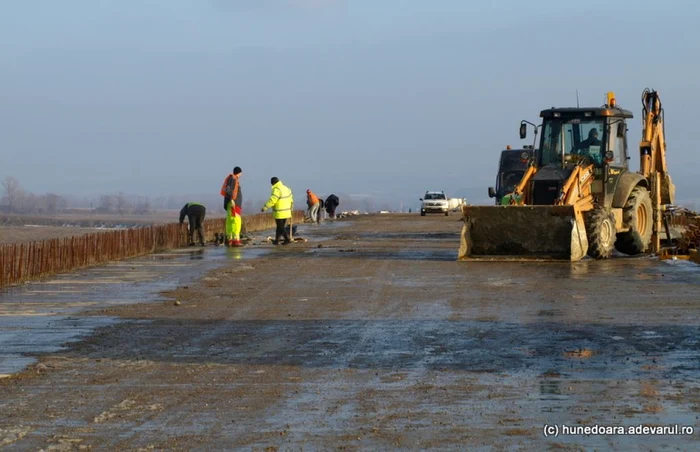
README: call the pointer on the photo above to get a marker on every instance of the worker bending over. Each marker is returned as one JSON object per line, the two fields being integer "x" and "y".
{"x": 281, "y": 201}
{"x": 195, "y": 213}
{"x": 313, "y": 203}
{"x": 233, "y": 204}
{"x": 332, "y": 203}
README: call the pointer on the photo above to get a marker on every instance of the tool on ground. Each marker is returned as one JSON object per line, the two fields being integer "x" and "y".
{"x": 578, "y": 196}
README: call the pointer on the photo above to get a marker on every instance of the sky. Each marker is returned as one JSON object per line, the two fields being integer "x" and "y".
{"x": 389, "y": 98}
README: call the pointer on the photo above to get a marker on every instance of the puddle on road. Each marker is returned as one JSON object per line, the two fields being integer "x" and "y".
{"x": 388, "y": 254}
{"x": 36, "y": 317}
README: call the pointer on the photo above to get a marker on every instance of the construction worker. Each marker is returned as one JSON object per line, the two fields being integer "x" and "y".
{"x": 592, "y": 140}
{"x": 281, "y": 201}
{"x": 332, "y": 202}
{"x": 195, "y": 213}
{"x": 233, "y": 204}
{"x": 584, "y": 147}
{"x": 313, "y": 204}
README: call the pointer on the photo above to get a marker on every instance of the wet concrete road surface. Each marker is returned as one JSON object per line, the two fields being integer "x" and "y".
{"x": 38, "y": 317}
{"x": 372, "y": 336}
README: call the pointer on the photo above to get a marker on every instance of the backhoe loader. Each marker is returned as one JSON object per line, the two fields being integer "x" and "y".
{"x": 578, "y": 197}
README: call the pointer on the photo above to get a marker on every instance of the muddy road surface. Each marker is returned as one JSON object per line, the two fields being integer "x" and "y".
{"x": 371, "y": 336}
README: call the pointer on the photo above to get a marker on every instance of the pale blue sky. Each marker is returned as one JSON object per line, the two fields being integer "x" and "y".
{"x": 388, "y": 97}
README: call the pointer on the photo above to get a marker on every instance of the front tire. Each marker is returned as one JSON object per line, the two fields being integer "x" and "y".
{"x": 422, "y": 213}
{"x": 638, "y": 216}
{"x": 447, "y": 213}
{"x": 600, "y": 228}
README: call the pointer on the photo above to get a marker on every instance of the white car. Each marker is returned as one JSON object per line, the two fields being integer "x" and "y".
{"x": 434, "y": 202}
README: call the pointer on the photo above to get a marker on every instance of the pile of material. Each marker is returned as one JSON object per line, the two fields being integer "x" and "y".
{"x": 690, "y": 240}
{"x": 687, "y": 244}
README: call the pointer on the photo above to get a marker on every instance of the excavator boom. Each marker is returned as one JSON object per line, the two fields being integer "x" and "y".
{"x": 652, "y": 148}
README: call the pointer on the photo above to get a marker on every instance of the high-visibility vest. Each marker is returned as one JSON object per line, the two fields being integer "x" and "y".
{"x": 281, "y": 201}
{"x": 224, "y": 186}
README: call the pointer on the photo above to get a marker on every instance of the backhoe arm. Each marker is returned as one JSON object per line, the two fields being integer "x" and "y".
{"x": 652, "y": 148}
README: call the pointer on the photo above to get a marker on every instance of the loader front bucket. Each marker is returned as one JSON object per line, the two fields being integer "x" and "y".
{"x": 522, "y": 233}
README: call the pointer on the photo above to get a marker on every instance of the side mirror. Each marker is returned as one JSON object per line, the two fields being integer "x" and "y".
{"x": 420, "y": 199}
{"x": 621, "y": 129}
{"x": 523, "y": 131}
{"x": 492, "y": 192}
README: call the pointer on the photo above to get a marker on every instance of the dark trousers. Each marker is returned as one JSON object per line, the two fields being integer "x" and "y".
{"x": 195, "y": 216}
{"x": 281, "y": 230}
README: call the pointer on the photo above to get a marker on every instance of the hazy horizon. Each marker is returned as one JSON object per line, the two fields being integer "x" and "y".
{"x": 383, "y": 98}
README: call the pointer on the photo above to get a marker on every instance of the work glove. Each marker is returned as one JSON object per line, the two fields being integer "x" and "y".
{"x": 262, "y": 210}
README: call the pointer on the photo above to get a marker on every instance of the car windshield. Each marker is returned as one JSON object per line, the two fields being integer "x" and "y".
{"x": 576, "y": 136}
{"x": 434, "y": 196}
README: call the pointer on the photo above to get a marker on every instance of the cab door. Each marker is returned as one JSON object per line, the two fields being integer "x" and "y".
{"x": 617, "y": 143}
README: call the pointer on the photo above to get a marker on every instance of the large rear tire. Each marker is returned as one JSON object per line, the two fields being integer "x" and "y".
{"x": 638, "y": 216}
{"x": 600, "y": 228}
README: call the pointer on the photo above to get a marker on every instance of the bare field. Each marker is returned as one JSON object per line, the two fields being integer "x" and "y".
{"x": 91, "y": 220}
{"x": 27, "y": 228}
{"x": 14, "y": 234}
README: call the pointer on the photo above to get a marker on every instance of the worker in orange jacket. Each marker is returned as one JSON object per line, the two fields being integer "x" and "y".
{"x": 313, "y": 204}
{"x": 233, "y": 204}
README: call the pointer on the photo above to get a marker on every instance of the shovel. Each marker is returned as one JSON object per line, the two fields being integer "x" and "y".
{"x": 291, "y": 228}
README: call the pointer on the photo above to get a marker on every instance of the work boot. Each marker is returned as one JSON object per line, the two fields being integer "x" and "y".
{"x": 237, "y": 243}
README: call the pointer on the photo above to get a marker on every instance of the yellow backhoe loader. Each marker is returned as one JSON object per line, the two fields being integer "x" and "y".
{"x": 578, "y": 196}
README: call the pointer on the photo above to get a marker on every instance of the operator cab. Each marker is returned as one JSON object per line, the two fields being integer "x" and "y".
{"x": 570, "y": 134}
{"x": 511, "y": 169}
{"x": 579, "y": 135}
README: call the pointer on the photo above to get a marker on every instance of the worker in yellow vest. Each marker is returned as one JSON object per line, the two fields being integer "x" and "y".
{"x": 282, "y": 202}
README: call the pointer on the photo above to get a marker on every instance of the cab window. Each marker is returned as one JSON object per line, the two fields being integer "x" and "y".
{"x": 572, "y": 137}
{"x": 618, "y": 144}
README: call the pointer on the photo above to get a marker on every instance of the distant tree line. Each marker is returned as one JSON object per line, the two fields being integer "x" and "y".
{"x": 122, "y": 204}
{"x": 18, "y": 200}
